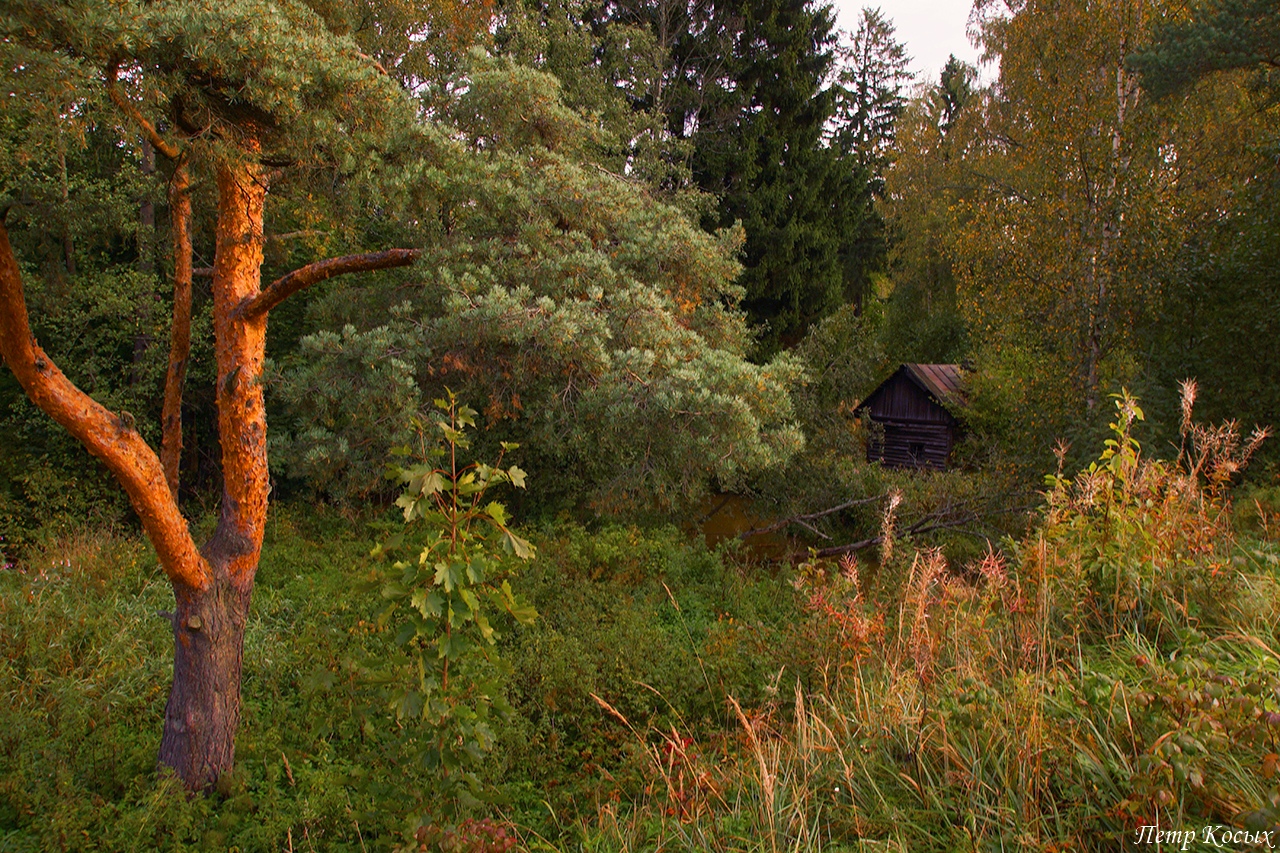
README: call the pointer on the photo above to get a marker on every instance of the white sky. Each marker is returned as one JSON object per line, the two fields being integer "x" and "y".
{"x": 931, "y": 29}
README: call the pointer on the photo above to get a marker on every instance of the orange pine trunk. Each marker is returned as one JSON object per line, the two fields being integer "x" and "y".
{"x": 212, "y": 586}
{"x": 203, "y": 712}
{"x": 180, "y": 335}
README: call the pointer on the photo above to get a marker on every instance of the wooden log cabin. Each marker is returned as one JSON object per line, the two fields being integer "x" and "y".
{"x": 915, "y": 410}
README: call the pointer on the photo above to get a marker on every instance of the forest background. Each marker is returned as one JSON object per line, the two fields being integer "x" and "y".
{"x": 667, "y": 249}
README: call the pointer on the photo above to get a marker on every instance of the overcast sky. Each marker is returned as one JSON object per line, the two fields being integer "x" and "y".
{"x": 931, "y": 29}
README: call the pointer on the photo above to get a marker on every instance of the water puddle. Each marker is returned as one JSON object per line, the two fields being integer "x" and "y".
{"x": 723, "y": 517}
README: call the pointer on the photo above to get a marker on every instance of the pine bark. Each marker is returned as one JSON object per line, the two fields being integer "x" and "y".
{"x": 240, "y": 350}
{"x": 203, "y": 712}
{"x": 180, "y": 334}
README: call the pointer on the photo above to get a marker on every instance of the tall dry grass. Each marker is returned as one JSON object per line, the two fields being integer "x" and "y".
{"x": 1116, "y": 667}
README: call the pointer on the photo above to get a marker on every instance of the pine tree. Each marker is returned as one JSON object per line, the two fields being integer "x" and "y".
{"x": 869, "y": 101}
{"x": 240, "y": 94}
{"x": 596, "y": 324}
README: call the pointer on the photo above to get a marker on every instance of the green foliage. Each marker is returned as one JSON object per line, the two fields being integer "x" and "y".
{"x": 869, "y": 91}
{"x": 1221, "y": 295}
{"x": 1142, "y": 544}
{"x": 737, "y": 111}
{"x": 446, "y": 685}
{"x": 266, "y": 80}
{"x": 345, "y": 388}
{"x": 95, "y": 297}
{"x": 317, "y": 757}
{"x": 960, "y": 710}
{"x": 1109, "y": 669}
{"x": 1069, "y": 296}
{"x": 1218, "y": 35}
{"x": 924, "y": 184}
{"x": 938, "y": 705}
{"x": 844, "y": 358}
{"x": 272, "y": 70}
{"x": 598, "y": 324}
{"x": 612, "y": 65}
{"x": 1163, "y": 271}
{"x": 108, "y": 331}
{"x": 1018, "y": 405}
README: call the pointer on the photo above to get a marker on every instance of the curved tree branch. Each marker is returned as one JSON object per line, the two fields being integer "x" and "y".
{"x": 168, "y": 149}
{"x": 300, "y": 279}
{"x": 107, "y": 435}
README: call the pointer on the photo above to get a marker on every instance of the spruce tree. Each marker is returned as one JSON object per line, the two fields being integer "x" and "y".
{"x": 758, "y": 146}
{"x": 1219, "y": 35}
{"x": 736, "y": 99}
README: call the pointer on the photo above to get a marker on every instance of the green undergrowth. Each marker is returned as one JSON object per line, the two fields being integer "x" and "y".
{"x": 664, "y": 628}
{"x": 87, "y": 652}
{"x": 1114, "y": 668}
{"x": 661, "y": 630}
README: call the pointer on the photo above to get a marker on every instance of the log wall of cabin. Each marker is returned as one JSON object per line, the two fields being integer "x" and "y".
{"x": 912, "y": 445}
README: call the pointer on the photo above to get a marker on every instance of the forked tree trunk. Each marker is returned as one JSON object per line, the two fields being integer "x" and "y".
{"x": 211, "y": 586}
{"x": 203, "y": 712}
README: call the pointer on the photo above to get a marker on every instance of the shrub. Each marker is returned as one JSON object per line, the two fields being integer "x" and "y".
{"x": 1143, "y": 545}
{"x": 446, "y": 684}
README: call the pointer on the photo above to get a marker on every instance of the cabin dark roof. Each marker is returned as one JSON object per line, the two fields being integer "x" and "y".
{"x": 943, "y": 381}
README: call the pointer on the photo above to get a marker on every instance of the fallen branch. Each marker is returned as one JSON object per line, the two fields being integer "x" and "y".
{"x": 952, "y": 516}
{"x": 928, "y": 523}
{"x": 807, "y": 517}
